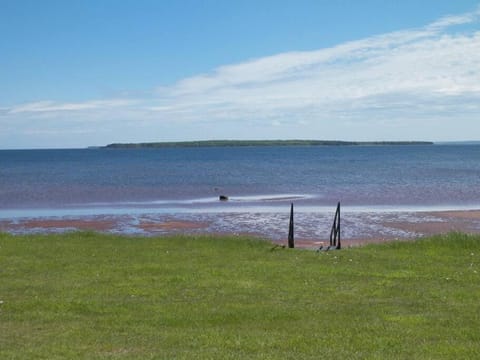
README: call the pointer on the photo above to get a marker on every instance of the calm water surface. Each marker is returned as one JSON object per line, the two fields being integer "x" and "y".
{"x": 191, "y": 179}
{"x": 380, "y": 187}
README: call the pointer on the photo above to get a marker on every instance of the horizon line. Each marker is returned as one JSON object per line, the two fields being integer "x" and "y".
{"x": 434, "y": 142}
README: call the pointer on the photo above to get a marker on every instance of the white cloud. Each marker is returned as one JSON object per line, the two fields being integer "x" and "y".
{"x": 425, "y": 61}
{"x": 452, "y": 20}
{"x": 394, "y": 80}
{"x": 50, "y": 106}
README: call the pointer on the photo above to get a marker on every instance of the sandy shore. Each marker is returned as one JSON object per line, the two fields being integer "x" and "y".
{"x": 311, "y": 230}
{"x": 464, "y": 221}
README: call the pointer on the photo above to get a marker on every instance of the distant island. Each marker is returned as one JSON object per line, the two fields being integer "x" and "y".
{"x": 227, "y": 143}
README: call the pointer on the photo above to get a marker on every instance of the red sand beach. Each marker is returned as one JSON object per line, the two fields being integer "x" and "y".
{"x": 395, "y": 226}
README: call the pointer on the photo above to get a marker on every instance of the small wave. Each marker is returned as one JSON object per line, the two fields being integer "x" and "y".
{"x": 274, "y": 197}
{"x": 206, "y": 200}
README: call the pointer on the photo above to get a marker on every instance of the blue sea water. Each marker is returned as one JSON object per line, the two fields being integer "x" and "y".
{"x": 384, "y": 190}
{"x": 191, "y": 179}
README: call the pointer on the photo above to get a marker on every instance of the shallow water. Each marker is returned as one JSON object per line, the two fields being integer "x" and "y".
{"x": 261, "y": 182}
{"x": 322, "y": 175}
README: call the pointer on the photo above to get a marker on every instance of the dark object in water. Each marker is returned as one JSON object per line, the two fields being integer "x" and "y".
{"x": 223, "y": 197}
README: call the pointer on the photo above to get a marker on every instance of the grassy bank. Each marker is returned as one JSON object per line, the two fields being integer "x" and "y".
{"x": 86, "y": 295}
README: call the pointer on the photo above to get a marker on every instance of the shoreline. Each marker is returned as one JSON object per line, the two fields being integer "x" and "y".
{"x": 312, "y": 229}
{"x": 235, "y": 205}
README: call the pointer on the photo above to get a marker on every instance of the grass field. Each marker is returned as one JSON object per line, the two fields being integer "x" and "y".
{"x": 89, "y": 296}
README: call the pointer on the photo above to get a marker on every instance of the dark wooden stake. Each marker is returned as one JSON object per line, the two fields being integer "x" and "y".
{"x": 291, "y": 241}
{"x": 339, "y": 246}
{"x": 335, "y": 232}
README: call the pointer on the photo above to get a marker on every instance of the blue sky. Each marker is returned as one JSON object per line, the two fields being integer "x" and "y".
{"x": 80, "y": 73}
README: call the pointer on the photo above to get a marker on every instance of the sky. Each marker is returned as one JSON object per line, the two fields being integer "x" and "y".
{"x": 83, "y": 73}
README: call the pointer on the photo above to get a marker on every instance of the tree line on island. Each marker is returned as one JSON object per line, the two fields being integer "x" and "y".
{"x": 225, "y": 143}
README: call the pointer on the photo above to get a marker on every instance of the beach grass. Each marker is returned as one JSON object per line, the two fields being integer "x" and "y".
{"x": 97, "y": 296}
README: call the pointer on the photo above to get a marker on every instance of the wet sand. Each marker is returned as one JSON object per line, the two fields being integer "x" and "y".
{"x": 444, "y": 222}
{"x": 172, "y": 225}
{"x": 312, "y": 230}
{"x": 47, "y": 225}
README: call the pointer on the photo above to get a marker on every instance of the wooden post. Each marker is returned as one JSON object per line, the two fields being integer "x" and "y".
{"x": 335, "y": 232}
{"x": 339, "y": 246}
{"x": 291, "y": 241}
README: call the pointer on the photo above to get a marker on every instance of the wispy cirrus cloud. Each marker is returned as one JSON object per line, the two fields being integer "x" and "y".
{"x": 394, "y": 85}
{"x": 452, "y": 20}
{"x": 426, "y": 62}
{"x": 51, "y": 106}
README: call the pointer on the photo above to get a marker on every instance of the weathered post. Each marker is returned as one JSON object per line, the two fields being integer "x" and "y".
{"x": 339, "y": 246}
{"x": 291, "y": 241}
{"x": 335, "y": 232}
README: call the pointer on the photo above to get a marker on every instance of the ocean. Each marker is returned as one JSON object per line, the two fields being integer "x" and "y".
{"x": 260, "y": 183}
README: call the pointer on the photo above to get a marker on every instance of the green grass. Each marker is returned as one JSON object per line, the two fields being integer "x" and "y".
{"x": 88, "y": 296}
